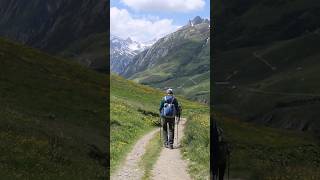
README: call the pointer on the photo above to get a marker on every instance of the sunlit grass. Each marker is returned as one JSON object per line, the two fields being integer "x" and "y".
{"x": 197, "y": 145}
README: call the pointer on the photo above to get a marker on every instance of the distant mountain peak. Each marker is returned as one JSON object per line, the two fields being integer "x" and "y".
{"x": 129, "y": 40}
{"x": 197, "y": 20}
{"x": 122, "y": 52}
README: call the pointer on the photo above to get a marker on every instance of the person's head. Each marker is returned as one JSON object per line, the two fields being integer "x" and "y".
{"x": 169, "y": 91}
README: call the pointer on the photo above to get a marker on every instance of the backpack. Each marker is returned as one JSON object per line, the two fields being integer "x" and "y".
{"x": 169, "y": 110}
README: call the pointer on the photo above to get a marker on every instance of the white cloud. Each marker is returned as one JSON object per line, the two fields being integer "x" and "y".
{"x": 124, "y": 25}
{"x": 165, "y": 5}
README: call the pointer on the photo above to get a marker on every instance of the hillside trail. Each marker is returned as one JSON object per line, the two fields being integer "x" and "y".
{"x": 130, "y": 169}
{"x": 170, "y": 165}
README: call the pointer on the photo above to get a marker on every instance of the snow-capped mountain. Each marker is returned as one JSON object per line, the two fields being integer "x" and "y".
{"x": 122, "y": 52}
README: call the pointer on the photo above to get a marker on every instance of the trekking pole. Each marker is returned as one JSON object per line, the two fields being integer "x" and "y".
{"x": 228, "y": 164}
{"x": 178, "y": 129}
{"x": 160, "y": 128}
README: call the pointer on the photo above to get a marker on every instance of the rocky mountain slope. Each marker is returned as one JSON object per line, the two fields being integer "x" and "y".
{"x": 122, "y": 52}
{"x": 179, "y": 60}
{"x": 266, "y": 62}
{"x": 70, "y": 28}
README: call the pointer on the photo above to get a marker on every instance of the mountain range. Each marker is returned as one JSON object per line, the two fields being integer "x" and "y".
{"x": 266, "y": 62}
{"x": 122, "y": 51}
{"x": 67, "y": 28}
{"x": 179, "y": 60}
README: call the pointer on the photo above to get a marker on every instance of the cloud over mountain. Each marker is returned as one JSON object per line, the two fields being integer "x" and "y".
{"x": 124, "y": 25}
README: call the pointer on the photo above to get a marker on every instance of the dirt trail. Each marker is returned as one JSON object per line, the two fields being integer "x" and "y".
{"x": 130, "y": 169}
{"x": 170, "y": 165}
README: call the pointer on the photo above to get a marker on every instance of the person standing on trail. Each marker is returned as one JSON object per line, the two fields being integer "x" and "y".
{"x": 169, "y": 109}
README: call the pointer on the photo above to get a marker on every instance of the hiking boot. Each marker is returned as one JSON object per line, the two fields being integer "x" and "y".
{"x": 171, "y": 146}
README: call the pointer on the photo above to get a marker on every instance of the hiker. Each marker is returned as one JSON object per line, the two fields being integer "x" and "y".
{"x": 169, "y": 109}
{"x": 222, "y": 154}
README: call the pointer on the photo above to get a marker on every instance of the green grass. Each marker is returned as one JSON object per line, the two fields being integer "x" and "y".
{"x": 196, "y": 145}
{"x": 127, "y": 126}
{"x": 151, "y": 155}
{"x": 52, "y": 115}
{"x": 260, "y": 152}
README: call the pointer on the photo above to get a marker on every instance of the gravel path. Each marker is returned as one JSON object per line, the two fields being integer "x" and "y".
{"x": 170, "y": 165}
{"x": 130, "y": 169}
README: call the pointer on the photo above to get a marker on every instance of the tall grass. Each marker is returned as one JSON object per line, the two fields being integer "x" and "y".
{"x": 196, "y": 145}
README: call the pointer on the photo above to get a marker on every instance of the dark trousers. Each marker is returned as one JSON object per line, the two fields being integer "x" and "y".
{"x": 168, "y": 122}
{"x": 222, "y": 170}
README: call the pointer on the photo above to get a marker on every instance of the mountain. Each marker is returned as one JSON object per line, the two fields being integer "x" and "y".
{"x": 53, "y": 117}
{"x": 122, "y": 52}
{"x": 266, "y": 62}
{"x": 179, "y": 60}
{"x": 70, "y": 28}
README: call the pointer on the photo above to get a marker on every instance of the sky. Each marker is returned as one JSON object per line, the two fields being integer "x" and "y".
{"x": 146, "y": 20}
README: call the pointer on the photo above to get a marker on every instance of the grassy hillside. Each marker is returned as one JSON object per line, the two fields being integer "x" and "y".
{"x": 257, "y": 152}
{"x": 89, "y": 51}
{"x": 179, "y": 60}
{"x": 261, "y": 22}
{"x": 282, "y": 94}
{"x": 58, "y": 26}
{"x": 264, "y": 153}
{"x": 53, "y": 117}
{"x": 134, "y": 111}
{"x": 182, "y": 70}
{"x": 269, "y": 67}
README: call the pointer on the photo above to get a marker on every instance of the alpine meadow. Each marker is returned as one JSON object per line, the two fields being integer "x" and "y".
{"x": 134, "y": 113}
{"x": 52, "y": 116}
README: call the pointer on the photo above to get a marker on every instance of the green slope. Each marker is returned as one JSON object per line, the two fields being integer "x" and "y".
{"x": 261, "y": 22}
{"x": 259, "y": 152}
{"x": 271, "y": 63}
{"x": 285, "y": 96}
{"x": 53, "y": 117}
{"x": 134, "y": 111}
{"x": 58, "y": 27}
{"x": 89, "y": 51}
{"x": 179, "y": 60}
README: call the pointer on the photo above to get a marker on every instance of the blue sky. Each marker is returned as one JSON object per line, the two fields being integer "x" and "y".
{"x": 144, "y": 20}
